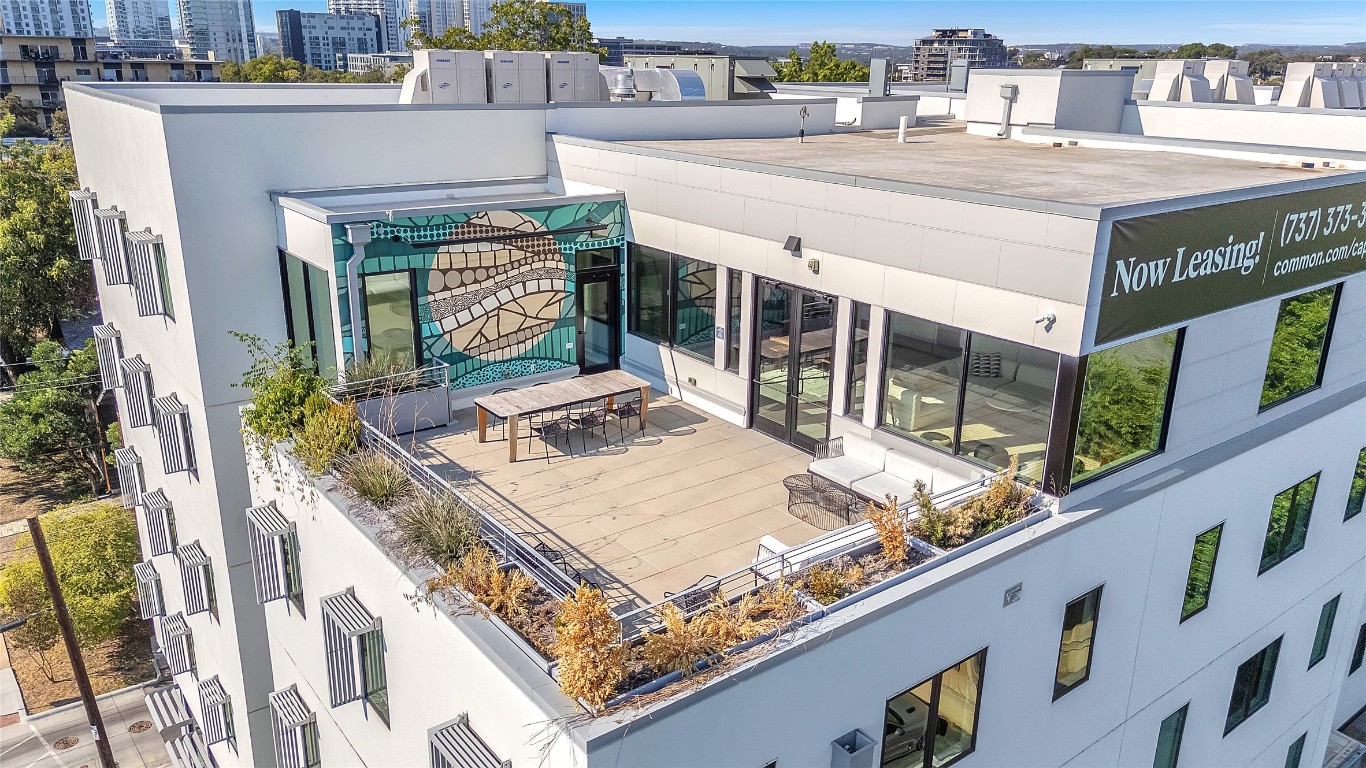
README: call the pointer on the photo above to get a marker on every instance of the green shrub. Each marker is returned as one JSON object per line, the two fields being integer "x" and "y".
{"x": 374, "y": 376}
{"x": 375, "y": 479}
{"x": 1004, "y": 502}
{"x": 330, "y": 432}
{"x": 438, "y": 527}
{"x": 281, "y": 379}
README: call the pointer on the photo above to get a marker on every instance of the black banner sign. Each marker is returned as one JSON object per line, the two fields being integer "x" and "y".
{"x": 1167, "y": 268}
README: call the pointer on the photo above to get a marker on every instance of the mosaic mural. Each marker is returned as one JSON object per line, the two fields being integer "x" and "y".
{"x": 495, "y": 288}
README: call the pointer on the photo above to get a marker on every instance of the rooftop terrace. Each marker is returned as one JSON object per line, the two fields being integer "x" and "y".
{"x": 954, "y": 160}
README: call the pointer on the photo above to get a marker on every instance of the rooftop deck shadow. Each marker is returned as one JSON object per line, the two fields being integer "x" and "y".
{"x": 640, "y": 513}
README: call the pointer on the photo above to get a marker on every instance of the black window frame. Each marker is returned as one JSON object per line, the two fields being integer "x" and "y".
{"x": 1295, "y": 755}
{"x": 735, "y": 318}
{"x": 1061, "y": 689}
{"x": 1323, "y": 634}
{"x": 850, "y": 410}
{"x": 1323, "y": 353}
{"x": 937, "y": 682}
{"x": 1356, "y": 490}
{"x": 291, "y": 567}
{"x": 1285, "y": 551}
{"x": 1182, "y": 714}
{"x": 1218, "y": 530}
{"x": 1359, "y": 652}
{"x": 671, "y": 301}
{"x": 1239, "y": 713}
{"x": 374, "y": 676}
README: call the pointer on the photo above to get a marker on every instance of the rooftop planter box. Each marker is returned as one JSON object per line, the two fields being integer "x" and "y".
{"x": 405, "y": 402}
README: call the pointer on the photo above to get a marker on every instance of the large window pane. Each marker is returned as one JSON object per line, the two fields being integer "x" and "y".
{"x": 733, "y": 320}
{"x": 1356, "y": 496}
{"x": 924, "y": 362}
{"x": 320, "y": 309}
{"x": 1201, "y": 574}
{"x": 1169, "y": 738}
{"x": 372, "y": 663}
{"x": 1078, "y": 642}
{"x": 1324, "y": 634}
{"x": 648, "y": 293}
{"x": 1289, "y": 524}
{"x": 1359, "y": 651}
{"x": 695, "y": 313}
{"x": 1007, "y": 403}
{"x": 1299, "y": 345}
{"x": 1123, "y": 404}
{"x": 935, "y": 722}
{"x": 1296, "y": 752}
{"x": 389, "y": 313}
{"x": 858, "y": 360}
{"x": 1252, "y": 685}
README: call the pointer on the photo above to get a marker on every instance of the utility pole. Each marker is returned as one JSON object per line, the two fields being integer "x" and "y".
{"x": 54, "y": 589}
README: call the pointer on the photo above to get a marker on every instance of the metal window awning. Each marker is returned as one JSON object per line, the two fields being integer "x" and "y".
{"x": 145, "y": 573}
{"x": 754, "y": 68}
{"x": 347, "y": 613}
{"x": 754, "y": 85}
{"x": 168, "y": 710}
{"x": 456, "y": 745}
{"x": 289, "y": 706}
{"x": 212, "y": 693}
{"x": 268, "y": 520}
{"x": 192, "y": 555}
{"x": 169, "y": 405}
{"x": 156, "y": 501}
{"x": 189, "y": 751}
{"x": 127, "y": 457}
{"x": 175, "y": 626}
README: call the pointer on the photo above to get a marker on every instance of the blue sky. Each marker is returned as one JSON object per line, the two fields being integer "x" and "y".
{"x": 775, "y": 22}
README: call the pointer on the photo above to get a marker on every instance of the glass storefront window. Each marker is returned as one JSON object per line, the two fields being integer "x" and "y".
{"x": 923, "y": 368}
{"x": 1124, "y": 404}
{"x": 648, "y": 293}
{"x": 308, "y": 312}
{"x": 695, "y": 312}
{"x": 1007, "y": 403}
{"x": 1299, "y": 345}
{"x": 858, "y": 360}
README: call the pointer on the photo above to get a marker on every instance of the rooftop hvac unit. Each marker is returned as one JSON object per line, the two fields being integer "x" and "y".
{"x": 632, "y": 84}
{"x": 573, "y": 77}
{"x": 1307, "y": 84}
{"x": 445, "y": 77}
{"x": 516, "y": 77}
{"x": 1228, "y": 81}
{"x": 1180, "y": 80}
{"x": 1349, "y": 90}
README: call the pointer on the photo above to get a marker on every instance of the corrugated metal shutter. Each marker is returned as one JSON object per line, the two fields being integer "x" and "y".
{"x": 289, "y": 717}
{"x": 456, "y": 745}
{"x": 217, "y": 708}
{"x": 344, "y": 619}
{"x": 269, "y": 531}
{"x": 178, "y": 644}
{"x": 160, "y": 522}
{"x": 189, "y": 751}
{"x": 143, "y": 257}
{"x": 168, "y": 711}
{"x": 173, "y": 432}
{"x": 109, "y": 350}
{"x": 136, "y": 375}
{"x": 194, "y": 566}
{"x": 150, "y": 601}
{"x": 129, "y": 465}
{"x": 113, "y": 245}
{"x": 83, "y": 205}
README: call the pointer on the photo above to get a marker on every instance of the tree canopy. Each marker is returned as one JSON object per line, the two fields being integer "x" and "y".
{"x": 516, "y": 25}
{"x": 275, "y": 69}
{"x": 18, "y": 119}
{"x": 42, "y": 278}
{"x": 1264, "y": 64}
{"x": 1187, "y": 51}
{"x": 822, "y": 65}
{"x": 93, "y": 552}
{"x": 50, "y": 423}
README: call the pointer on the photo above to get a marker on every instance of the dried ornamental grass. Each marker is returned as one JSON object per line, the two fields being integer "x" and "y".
{"x": 824, "y": 583}
{"x": 890, "y": 527}
{"x": 375, "y": 479}
{"x": 679, "y": 646}
{"x": 437, "y": 527}
{"x": 588, "y": 645}
{"x": 503, "y": 592}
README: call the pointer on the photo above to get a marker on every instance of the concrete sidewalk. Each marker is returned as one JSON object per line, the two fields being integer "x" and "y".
{"x": 29, "y": 744}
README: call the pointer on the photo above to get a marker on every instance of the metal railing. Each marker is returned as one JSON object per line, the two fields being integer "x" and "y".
{"x": 851, "y": 540}
{"x": 510, "y": 548}
{"x": 438, "y": 374}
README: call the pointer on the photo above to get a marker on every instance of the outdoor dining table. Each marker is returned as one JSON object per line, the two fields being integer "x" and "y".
{"x": 512, "y": 406}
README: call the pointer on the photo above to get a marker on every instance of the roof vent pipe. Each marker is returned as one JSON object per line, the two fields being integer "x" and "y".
{"x": 359, "y": 237}
{"x": 625, "y": 87}
{"x": 1008, "y": 93}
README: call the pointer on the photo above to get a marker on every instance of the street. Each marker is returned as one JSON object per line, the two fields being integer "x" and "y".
{"x": 31, "y": 743}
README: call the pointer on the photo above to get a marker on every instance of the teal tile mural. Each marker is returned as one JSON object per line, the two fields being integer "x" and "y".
{"x": 495, "y": 289}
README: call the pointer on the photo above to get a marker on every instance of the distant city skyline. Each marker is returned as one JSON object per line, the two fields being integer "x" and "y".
{"x": 900, "y": 22}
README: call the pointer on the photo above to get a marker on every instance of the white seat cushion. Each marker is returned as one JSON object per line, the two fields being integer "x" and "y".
{"x": 842, "y": 470}
{"x": 945, "y": 480}
{"x": 908, "y": 468}
{"x": 883, "y": 484}
{"x": 864, "y": 450}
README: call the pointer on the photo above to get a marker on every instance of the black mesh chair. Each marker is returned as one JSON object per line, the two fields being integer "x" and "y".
{"x": 551, "y": 426}
{"x": 586, "y": 420}
{"x": 499, "y": 421}
{"x": 627, "y": 409}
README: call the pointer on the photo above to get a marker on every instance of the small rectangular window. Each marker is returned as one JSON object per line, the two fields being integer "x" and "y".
{"x": 1201, "y": 574}
{"x": 1169, "y": 738}
{"x": 1359, "y": 651}
{"x": 1299, "y": 345}
{"x": 1078, "y": 642}
{"x": 1324, "y": 634}
{"x": 1252, "y": 685}
{"x": 858, "y": 360}
{"x": 372, "y": 670}
{"x": 733, "y": 320}
{"x": 1289, "y": 525}
{"x": 1356, "y": 496}
{"x": 1124, "y": 404}
{"x": 934, "y": 723}
{"x": 1296, "y": 751}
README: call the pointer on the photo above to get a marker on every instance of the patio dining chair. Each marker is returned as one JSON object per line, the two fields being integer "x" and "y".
{"x": 499, "y": 421}
{"x": 588, "y": 419}
{"x": 626, "y": 409}
{"x": 551, "y": 426}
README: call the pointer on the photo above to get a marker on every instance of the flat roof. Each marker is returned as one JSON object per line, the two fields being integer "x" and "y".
{"x": 940, "y": 160}
{"x": 344, "y": 204}
{"x": 241, "y": 94}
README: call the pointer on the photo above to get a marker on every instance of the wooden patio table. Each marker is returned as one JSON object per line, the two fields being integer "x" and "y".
{"x": 512, "y": 406}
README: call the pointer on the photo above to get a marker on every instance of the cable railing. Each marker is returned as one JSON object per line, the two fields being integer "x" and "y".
{"x": 438, "y": 374}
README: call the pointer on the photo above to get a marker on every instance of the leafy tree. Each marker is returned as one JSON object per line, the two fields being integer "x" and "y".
{"x": 1202, "y": 51}
{"x": 93, "y": 552}
{"x": 61, "y": 126}
{"x": 42, "y": 279}
{"x": 1297, "y": 345}
{"x": 274, "y": 69}
{"x": 822, "y": 65}
{"x": 1035, "y": 60}
{"x": 1075, "y": 58}
{"x": 1264, "y": 64}
{"x": 51, "y": 423}
{"x": 18, "y": 119}
{"x": 516, "y": 25}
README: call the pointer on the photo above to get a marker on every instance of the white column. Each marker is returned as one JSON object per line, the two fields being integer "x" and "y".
{"x": 839, "y": 362}
{"x": 877, "y": 332}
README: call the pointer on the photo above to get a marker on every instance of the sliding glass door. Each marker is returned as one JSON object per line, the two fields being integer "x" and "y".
{"x": 794, "y": 347}
{"x": 391, "y": 319}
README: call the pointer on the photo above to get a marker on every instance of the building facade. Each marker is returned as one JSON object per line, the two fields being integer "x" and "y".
{"x": 46, "y": 18}
{"x": 219, "y": 29}
{"x": 437, "y": 16}
{"x": 391, "y": 14}
{"x": 360, "y": 63}
{"x": 619, "y": 48}
{"x": 324, "y": 40}
{"x": 1176, "y": 368}
{"x": 139, "y": 20}
{"x": 932, "y": 54}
